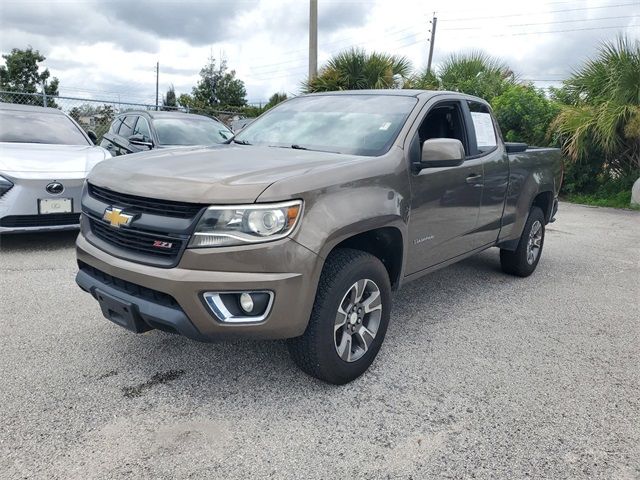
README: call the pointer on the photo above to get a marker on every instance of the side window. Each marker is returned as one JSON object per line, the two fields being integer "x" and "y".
{"x": 142, "y": 128}
{"x": 126, "y": 129}
{"x": 486, "y": 137}
{"x": 445, "y": 120}
{"x": 115, "y": 126}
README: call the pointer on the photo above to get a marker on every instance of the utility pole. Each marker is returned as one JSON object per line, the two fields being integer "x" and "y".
{"x": 313, "y": 39}
{"x": 44, "y": 93}
{"x": 157, "y": 81}
{"x": 433, "y": 39}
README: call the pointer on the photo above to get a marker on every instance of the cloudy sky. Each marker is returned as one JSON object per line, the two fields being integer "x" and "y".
{"x": 108, "y": 49}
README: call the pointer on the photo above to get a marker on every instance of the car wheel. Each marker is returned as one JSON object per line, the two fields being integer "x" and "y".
{"x": 349, "y": 318}
{"x": 523, "y": 261}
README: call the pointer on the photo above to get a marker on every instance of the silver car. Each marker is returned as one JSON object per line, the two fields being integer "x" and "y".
{"x": 44, "y": 159}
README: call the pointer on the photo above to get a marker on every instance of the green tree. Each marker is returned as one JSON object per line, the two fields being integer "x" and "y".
{"x": 186, "y": 100}
{"x": 21, "y": 74}
{"x": 475, "y": 73}
{"x": 524, "y": 114}
{"x": 355, "y": 69}
{"x": 169, "y": 101}
{"x": 219, "y": 87}
{"x": 602, "y": 124}
{"x": 84, "y": 110}
{"x": 275, "y": 99}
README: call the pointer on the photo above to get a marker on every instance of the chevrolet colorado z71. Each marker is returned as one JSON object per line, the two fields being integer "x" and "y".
{"x": 302, "y": 225}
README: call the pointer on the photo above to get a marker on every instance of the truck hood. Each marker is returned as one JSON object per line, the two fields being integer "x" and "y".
{"x": 35, "y": 160}
{"x": 221, "y": 174}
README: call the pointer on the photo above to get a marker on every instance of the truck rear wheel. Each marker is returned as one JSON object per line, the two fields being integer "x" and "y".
{"x": 349, "y": 318}
{"x": 523, "y": 261}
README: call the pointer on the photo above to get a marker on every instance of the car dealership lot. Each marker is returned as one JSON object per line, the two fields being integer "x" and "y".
{"x": 481, "y": 374}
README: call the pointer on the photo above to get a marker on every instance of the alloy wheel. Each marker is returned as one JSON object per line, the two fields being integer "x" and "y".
{"x": 357, "y": 320}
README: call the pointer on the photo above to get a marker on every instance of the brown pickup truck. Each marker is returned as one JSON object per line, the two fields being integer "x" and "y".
{"x": 301, "y": 226}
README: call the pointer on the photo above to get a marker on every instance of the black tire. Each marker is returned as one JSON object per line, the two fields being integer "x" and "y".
{"x": 316, "y": 351}
{"x": 517, "y": 262}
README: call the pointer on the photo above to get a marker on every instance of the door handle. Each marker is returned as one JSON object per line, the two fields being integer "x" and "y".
{"x": 473, "y": 178}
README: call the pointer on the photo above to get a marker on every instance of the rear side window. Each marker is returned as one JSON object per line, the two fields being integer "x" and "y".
{"x": 115, "y": 126}
{"x": 142, "y": 128}
{"x": 126, "y": 129}
{"x": 483, "y": 126}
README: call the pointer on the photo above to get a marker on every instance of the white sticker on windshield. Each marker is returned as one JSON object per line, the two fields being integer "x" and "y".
{"x": 385, "y": 126}
{"x": 485, "y": 134}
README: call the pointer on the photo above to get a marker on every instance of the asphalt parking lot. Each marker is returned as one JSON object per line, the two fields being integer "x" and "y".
{"x": 481, "y": 376}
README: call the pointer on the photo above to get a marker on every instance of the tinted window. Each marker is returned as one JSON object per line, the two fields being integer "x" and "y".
{"x": 142, "y": 128}
{"x": 356, "y": 124}
{"x": 444, "y": 121}
{"x": 115, "y": 126}
{"x": 126, "y": 129}
{"x": 190, "y": 130}
{"x": 483, "y": 126}
{"x": 39, "y": 127}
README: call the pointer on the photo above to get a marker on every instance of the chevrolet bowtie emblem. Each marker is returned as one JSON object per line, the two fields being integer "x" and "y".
{"x": 116, "y": 218}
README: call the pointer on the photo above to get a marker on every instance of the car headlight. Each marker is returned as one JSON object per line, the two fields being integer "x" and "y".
{"x": 222, "y": 226}
{"x": 5, "y": 186}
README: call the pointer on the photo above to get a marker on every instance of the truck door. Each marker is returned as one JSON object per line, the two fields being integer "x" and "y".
{"x": 495, "y": 162}
{"x": 445, "y": 201}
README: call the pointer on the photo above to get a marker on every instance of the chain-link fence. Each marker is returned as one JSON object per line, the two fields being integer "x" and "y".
{"x": 97, "y": 115}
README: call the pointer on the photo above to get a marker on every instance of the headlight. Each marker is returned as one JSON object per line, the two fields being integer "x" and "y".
{"x": 221, "y": 226}
{"x": 5, "y": 186}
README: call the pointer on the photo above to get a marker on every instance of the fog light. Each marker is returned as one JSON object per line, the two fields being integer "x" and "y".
{"x": 246, "y": 302}
{"x": 240, "y": 307}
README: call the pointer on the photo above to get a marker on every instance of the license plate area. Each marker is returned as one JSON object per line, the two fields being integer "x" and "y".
{"x": 121, "y": 312}
{"x": 47, "y": 206}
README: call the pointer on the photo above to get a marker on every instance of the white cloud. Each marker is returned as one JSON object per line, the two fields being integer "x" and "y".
{"x": 110, "y": 48}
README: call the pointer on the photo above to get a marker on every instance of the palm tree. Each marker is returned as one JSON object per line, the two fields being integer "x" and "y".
{"x": 355, "y": 69}
{"x": 605, "y": 115}
{"x": 475, "y": 73}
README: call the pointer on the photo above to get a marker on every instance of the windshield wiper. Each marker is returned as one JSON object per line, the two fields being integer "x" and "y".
{"x": 240, "y": 142}
{"x": 295, "y": 146}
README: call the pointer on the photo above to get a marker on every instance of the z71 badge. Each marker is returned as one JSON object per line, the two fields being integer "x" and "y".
{"x": 161, "y": 244}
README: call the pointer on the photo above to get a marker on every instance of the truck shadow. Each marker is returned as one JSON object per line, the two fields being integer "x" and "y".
{"x": 38, "y": 241}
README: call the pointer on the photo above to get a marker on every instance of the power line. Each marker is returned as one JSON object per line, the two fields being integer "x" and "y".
{"x": 296, "y": 61}
{"x": 298, "y": 70}
{"x": 559, "y": 31}
{"x": 549, "y": 23}
{"x": 539, "y": 12}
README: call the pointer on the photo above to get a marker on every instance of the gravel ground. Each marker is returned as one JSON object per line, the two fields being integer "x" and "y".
{"x": 481, "y": 376}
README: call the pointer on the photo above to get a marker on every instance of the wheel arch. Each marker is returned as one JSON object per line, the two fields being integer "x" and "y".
{"x": 385, "y": 243}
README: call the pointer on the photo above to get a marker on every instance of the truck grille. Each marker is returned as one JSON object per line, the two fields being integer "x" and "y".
{"x": 165, "y": 208}
{"x": 128, "y": 287}
{"x": 158, "y": 246}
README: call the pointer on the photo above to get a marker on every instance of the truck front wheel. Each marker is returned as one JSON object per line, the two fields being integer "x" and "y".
{"x": 524, "y": 260}
{"x": 349, "y": 318}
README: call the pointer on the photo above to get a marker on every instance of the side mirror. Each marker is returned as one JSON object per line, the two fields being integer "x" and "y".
{"x": 140, "y": 141}
{"x": 513, "y": 147}
{"x": 441, "y": 152}
{"x": 92, "y": 136}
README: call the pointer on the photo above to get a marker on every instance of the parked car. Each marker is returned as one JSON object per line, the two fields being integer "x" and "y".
{"x": 302, "y": 226}
{"x": 138, "y": 131}
{"x": 44, "y": 160}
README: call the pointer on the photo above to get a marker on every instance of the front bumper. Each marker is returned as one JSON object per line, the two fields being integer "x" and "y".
{"x": 19, "y": 206}
{"x": 171, "y": 299}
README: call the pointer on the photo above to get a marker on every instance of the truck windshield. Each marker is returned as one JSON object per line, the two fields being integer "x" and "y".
{"x": 356, "y": 124}
{"x": 39, "y": 127}
{"x": 190, "y": 130}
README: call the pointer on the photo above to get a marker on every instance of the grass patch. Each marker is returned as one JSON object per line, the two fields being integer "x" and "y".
{"x": 615, "y": 200}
